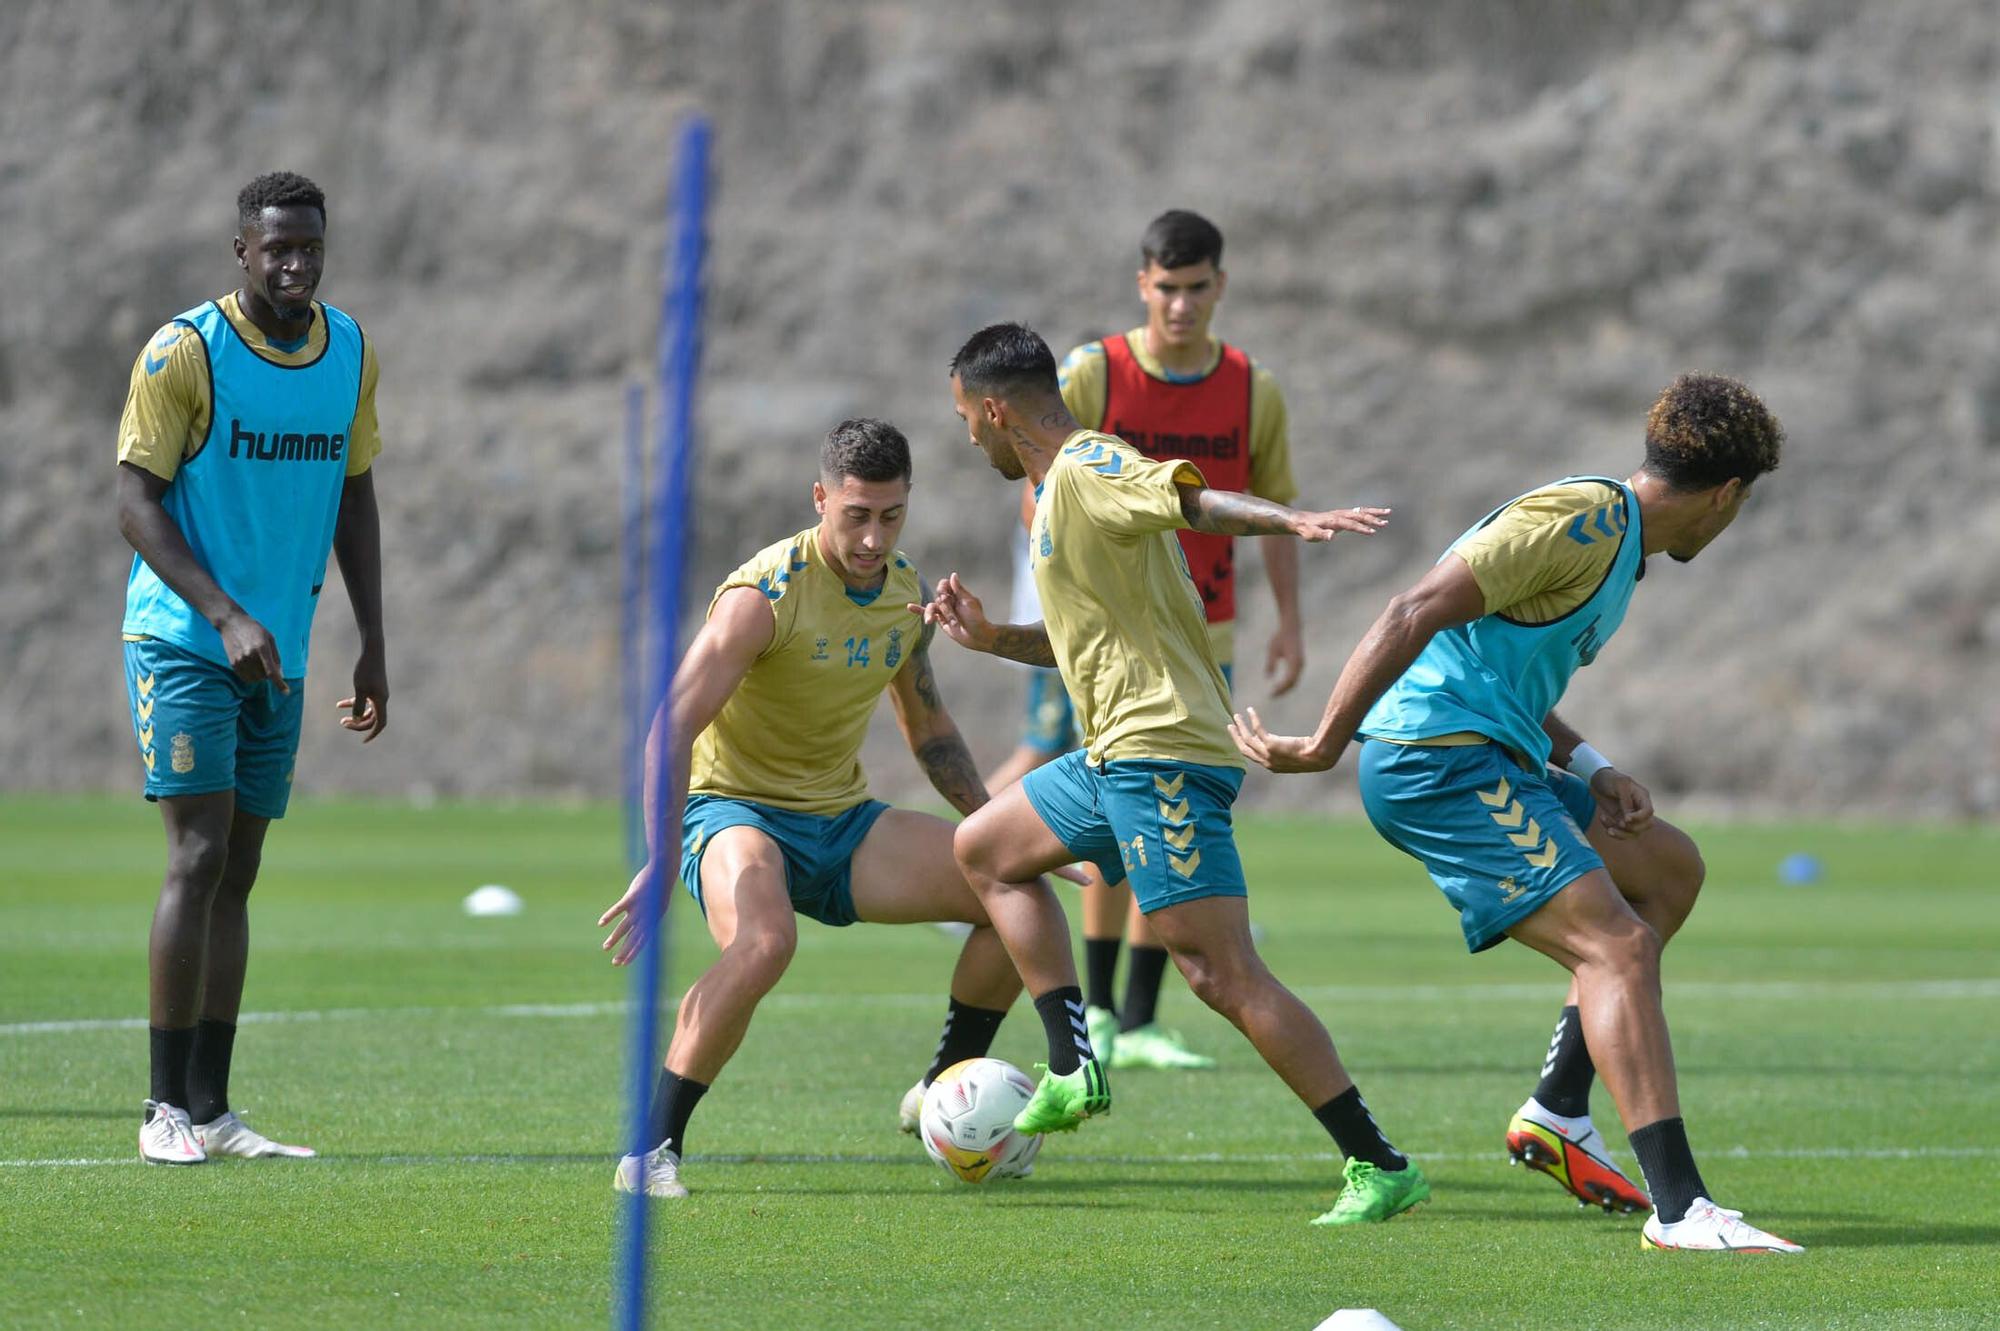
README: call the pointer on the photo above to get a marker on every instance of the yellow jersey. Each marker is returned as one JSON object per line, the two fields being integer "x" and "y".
{"x": 1121, "y": 610}
{"x": 790, "y": 736}
{"x": 169, "y": 399}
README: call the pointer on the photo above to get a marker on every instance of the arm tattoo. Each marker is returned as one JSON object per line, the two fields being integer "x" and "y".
{"x": 924, "y": 680}
{"x": 1231, "y": 514}
{"x": 948, "y": 763}
{"x": 1027, "y": 643}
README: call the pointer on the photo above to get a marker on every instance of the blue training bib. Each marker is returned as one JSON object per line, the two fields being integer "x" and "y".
{"x": 257, "y": 502}
{"x": 1499, "y": 678}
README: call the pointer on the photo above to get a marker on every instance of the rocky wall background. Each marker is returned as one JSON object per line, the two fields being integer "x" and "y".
{"x": 1473, "y": 238}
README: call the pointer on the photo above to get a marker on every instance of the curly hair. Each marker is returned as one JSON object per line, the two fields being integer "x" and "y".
{"x": 867, "y": 450}
{"x": 277, "y": 189}
{"x": 1707, "y": 428}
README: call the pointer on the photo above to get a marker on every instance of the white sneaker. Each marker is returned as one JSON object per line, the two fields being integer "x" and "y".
{"x": 1710, "y": 1228}
{"x": 657, "y": 1173}
{"x": 167, "y": 1138}
{"x": 910, "y": 1113}
{"x": 230, "y": 1135}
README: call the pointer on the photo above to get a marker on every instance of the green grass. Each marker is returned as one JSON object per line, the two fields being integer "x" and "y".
{"x": 467, "y": 1150}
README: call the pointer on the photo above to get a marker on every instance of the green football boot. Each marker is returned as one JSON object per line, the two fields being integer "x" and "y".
{"x": 1154, "y": 1046}
{"x": 1060, "y": 1103}
{"x": 1101, "y": 1024}
{"x": 1376, "y": 1194}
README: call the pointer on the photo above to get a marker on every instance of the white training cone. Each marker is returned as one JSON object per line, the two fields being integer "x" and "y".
{"x": 493, "y": 899}
{"x": 1357, "y": 1319}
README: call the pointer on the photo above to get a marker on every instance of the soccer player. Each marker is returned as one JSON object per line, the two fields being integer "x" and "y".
{"x": 1452, "y": 691}
{"x": 245, "y": 454}
{"x": 768, "y": 713}
{"x": 1148, "y": 798}
{"x": 1172, "y": 389}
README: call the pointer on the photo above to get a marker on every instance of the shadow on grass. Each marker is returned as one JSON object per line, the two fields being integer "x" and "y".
{"x": 1848, "y": 1231}
{"x": 10, "y": 1111}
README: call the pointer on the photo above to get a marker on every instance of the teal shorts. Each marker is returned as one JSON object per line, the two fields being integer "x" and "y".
{"x": 1164, "y": 825}
{"x": 202, "y": 730}
{"x": 1498, "y": 841}
{"x": 1050, "y": 725}
{"x": 817, "y": 848}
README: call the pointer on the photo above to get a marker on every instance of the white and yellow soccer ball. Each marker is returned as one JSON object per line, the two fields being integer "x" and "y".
{"x": 968, "y": 1121}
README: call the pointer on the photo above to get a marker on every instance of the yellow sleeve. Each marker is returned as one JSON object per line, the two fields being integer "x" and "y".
{"x": 1121, "y": 491}
{"x": 364, "y": 440}
{"x": 1270, "y": 440}
{"x": 1530, "y": 562}
{"x": 165, "y": 420}
{"x": 1081, "y": 377}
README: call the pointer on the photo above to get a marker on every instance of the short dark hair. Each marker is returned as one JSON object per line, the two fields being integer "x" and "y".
{"x": 1003, "y": 360}
{"x": 277, "y": 189}
{"x": 1708, "y": 428}
{"x": 867, "y": 450}
{"x": 1178, "y": 238}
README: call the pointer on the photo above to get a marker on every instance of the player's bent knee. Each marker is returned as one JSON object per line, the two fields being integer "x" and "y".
{"x": 763, "y": 954}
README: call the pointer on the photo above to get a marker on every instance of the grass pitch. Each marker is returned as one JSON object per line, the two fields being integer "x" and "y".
{"x": 461, "y": 1079}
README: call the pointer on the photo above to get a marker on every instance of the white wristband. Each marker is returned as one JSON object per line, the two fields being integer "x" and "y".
{"x": 1586, "y": 762}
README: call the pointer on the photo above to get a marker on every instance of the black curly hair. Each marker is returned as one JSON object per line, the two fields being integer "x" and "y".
{"x": 1707, "y": 428}
{"x": 277, "y": 189}
{"x": 867, "y": 450}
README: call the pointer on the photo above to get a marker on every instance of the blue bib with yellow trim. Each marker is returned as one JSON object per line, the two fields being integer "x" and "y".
{"x": 257, "y": 502}
{"x": 1498, "y": 677}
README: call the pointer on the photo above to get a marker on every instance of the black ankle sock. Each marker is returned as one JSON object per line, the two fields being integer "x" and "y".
{"x": 1100, "y": 964}
{"x": 208, "y": 1070}
{"x": 170, "y": 1064}
{"x": 1062, "y": 1018}
{"x": 1668, "y": 1164}
{"x": 1355, "y": 1132}
{"x": 674, "y": 1099}
{"x": 1567, "y": 1072}
{"x": 1142, "y": 987}
{"x": 968, "y": 1033}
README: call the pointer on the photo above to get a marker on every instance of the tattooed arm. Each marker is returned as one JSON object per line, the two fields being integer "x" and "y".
{"x": 932, "y": 735}
{"x": 964, "y": 620}
{"x": 1231, "y": 514}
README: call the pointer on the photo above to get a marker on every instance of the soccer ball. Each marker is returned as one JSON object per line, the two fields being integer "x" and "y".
{"x": 968, "y": 1121}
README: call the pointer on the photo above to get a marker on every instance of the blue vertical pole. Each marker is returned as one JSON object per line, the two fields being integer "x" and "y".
{"x": 632, "y": 626}
{"x": 680, "y": 347}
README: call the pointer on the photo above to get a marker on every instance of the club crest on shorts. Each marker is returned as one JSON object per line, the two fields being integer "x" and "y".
{"x": 182, "y": 756}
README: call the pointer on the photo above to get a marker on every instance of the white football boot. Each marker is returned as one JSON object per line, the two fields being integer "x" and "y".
{"x": 910, "y": 1113}
{"x": 656, "y": 1173}
{"x": 230, "y": 1135}
{"x": 1710, "y": 1228}
{"x": 167, "y": 1138}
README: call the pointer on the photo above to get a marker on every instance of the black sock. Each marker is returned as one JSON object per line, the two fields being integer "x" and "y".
{"x": 968, "y": 1033}
{"x": 1668, "y": 1164}
{"x": 674, "y": 1099}
{"x": 208, "y": 1070}
{"x": 1567, "y": 1072}
{"x": 1142, "y": 987}
{"x": 1100, "y": 964}
{"x": 170, "y": 1064}
{"x": 1062, "y": 1018}
{"x": 1355, "y": 1132}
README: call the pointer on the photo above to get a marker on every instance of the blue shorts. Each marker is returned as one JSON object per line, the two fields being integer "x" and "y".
{"x": 1497, "y": 840}
{"x": 1164, "y": 825}
{"x": 1051, "y": 717}
{"x": 817, "y": 848}
{"x": 202, "y": 730}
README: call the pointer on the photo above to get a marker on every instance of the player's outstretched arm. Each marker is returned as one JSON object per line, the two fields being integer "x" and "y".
{"x": 357, "y": 548}
{"x": 740, "y": 627}
{"x": 963, "y": 618}
{"x": 931, "y": 733}
{"x": 1446, "y": 596}
{"x": 1623, "y": 805}
{"x": 144, "y": 522}
{"x": 1228, "y": 513}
